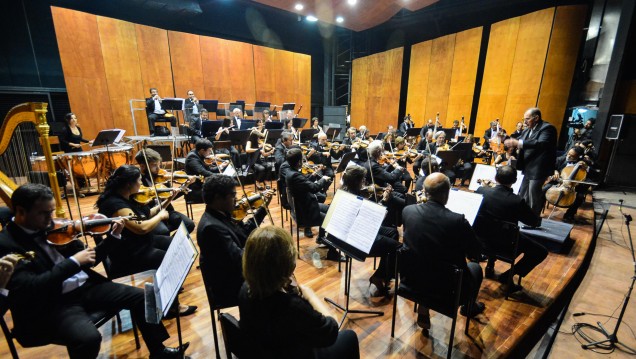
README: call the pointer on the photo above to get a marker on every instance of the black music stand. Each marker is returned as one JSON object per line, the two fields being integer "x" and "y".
{"x": 210, "y": 105}
{"x": 333, "y": 132}
{"x": 449, "y": 132}
{"x": 210, "y": 128}
{"x": 239, "y": 105}
{"x": 413, "y": 132}
{"x": 173, "y": 104}
{"x": 299, "y": 122}
{"x": 288, "y": 106}
{"x": 449, "y": 157}
{"x": 247, "y": 124}
{"x": 464, "y": 148}
{"x": 342, "y": 166}
{"x": 274, "y": 125}
{"x": 259, "y": 107}
{"x": 107, "y": 138}
{"x": 349, "y": 252}
{"x": 307, "y": 135}
{"x": 273, "y": 136}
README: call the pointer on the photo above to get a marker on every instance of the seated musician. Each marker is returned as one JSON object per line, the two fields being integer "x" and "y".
{"x": 316, "y": 126}
{"x": 289, "y": 127}
{"x": 429, "y": 166}
{"x": 364, "y": 134}
{"x": 308, "y": 209}
{"x": 505, "y": 157}
{"x": 153, "y": 158}
{"x": 388, "y": 239}
{"x": 502, "y": 204}
{"x": 518, "y": 130}
{"x": 155, "y": 112}
{"x": 434, "y": 233}
{"x": 236, "y": 117}
{"x": 221, "y": 239}
{"x": 196, "y": 165}
{"x": 194, "y": 130}
{"x": 404, "y": 157}
{"x": 380, "y": 176}
{"x": 570, "y": 159}
{"x": 258, "y": 155}
{"x": 71, "y": 139}
{"x": 223, "y": 134}
{"x": 321, "y": 155}
{"x": 267, "y": 116}
{"x": 192, "y": 111}
{"x": 405, "y": 125}
{"x": 459, "y": 130}
{"x": 389, "y": 137}
{"x": 50, "y": 295}
{"x": 352, "y": 136}
{"x": 440, "y": 145}
{"x": 423, "y": 147}
{"x": 280, "y": 319}
{"x": 281, "y": 148}
{"x": 491, "y": 133}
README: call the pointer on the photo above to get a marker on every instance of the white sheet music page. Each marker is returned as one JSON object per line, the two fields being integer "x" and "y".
{"x": 344, "y": 208}
{"x": 366, "y": 226}
{"x": 465, "y": 203}
{"x": 488, "y": 172}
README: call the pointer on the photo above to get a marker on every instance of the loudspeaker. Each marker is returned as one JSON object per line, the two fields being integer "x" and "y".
{"x": 335, "y": 115}
{"x": 615, "y": 128}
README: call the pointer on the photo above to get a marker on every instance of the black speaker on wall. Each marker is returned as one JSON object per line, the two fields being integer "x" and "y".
{"x": 334, "y": 116}
{"x": 616, "y": 129}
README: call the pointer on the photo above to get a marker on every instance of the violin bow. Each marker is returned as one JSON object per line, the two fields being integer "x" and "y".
{"x": 79, "y": 209}
{"x": 375, "y": 195}
{"x": 238, "y": 179}
{"x": 152, "y": 181}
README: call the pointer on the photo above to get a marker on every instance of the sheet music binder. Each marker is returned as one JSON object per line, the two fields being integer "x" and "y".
{"x": 172, "y": 104}
{"x": 299, "y": 122}
{"x": 413, "y": 132}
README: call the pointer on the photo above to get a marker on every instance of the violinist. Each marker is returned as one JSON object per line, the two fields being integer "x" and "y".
{"x": 403, "y": 157}
{"x": 378, "y": 175}
{"x": 505, "y": 157}
{"x": 386, "y": 241}
{"x": 258, "y": 154}
{"x": 174, "y": 218}
{"x": 364, "y": 134}
{"x": 321, "y": 155}
{"x": 281, "y": 148}
{"x": 221, "y": 239}
{"x": 195, "y": 165}
{"x": 50, "y": 296}
{"x": 389, "y": 137}
{"x": 440, "y": 145}
{"x": 570, "y": 159}
{"x": 352, "y": 136}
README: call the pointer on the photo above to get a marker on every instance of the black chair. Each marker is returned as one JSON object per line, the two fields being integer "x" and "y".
{"x": 216, "y": 307}
{"x": 440, "y": 290}
{"x": 98, "y": 318}
{"x": 500, "y": 240}
{"x": 232, "y": 337}
{"x": 294, "y": 218}
{"x": 284, "y": 203}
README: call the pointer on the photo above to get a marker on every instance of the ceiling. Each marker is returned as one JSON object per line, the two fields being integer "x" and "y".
{"x": 363, "y": 15}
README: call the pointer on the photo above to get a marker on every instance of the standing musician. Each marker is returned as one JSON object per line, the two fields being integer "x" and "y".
{"x": 387, "y": 240}
{"x": 430, "y": 126}
{"x": 433, "y": 233}
{"x": 257, "y": 152}
{"x": 50, "y": 295}
{"x": 175, "y": 218}
{"x": 501, "y": 203}
{"x": 573, "y": 157}
{"x": 321, "y": 155}
{"x": 196, "y": 164}
{"x": 221, "y": 239}
{"x": 193, "y": 113}
{"x": 536, "y": 156}
{"x": 352, "y": 136}
{"x": 404, "y": 126}
{"x": 378, "y": 175}
{"x": 71, "y": 139}
{"x": 155, "y": 112}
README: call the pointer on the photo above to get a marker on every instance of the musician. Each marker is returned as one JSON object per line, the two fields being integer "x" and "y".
{"x": 281, "y": 148}
{"x": 404, "y": 159}
{"x": 174, "y": 218}
{"x": 440, "y": 145}
{"x": 387, "y": 240}
{"x": 322, "y": 155}
{"x": 434, "y": 233}
{"x": 505, "y": 157}
{"x": 518, "y": 130}
{"x": 7, "y": 266}
{"x": 405, "y": 125}
{"x": 221, "y": 239}
{"x": 536, "y": 156}
{"x": 316, "y": 126}
{"x": 586, "y": 131}
{"x": 193, "y": 113}
{"x": 256, "y": 153}
{"x": 195, "y": 165}
{"x": 378, "y": 175}
{"x": 50, "y": 295}
{"x": 352, "y": 136}
{"x": 308, "y": 209}
{"x": 491, "y": 133}
{"x": 573, "y": 157}
{"x": 502, "y": 204}
{"x": 267, "y": 116}
{"x": 155, "y": 112}
{"x": 280, "y": 319}
{"x": 459, "y": 130}
{"x": 236, "y": 117}
{"x": 430, "y": 126}
{"x": 363, "y": 133}
{"x": 289, "y": 115}
{"x": 71, "y": 138}
{"x": 289, "y": 127}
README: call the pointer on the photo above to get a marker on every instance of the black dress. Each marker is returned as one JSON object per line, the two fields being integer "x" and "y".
{"x": 69, "y": 137}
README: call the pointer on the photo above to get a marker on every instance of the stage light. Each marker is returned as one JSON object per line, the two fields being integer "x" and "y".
{"x": 299, "y": 7}
{"x": 352, "y": 2}
{"x": 311, "y": 18}
{"x": 339, "y": 19}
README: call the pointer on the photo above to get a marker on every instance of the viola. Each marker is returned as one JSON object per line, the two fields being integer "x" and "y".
{"x": 179, "y": 177}
{"x": 217, "y": 159}
{"x": 372, "y": 190}
{"x": 251, "y": 200}
{"x": 62, "y": 231}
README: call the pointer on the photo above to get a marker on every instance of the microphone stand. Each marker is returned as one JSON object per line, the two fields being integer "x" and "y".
{"x": 611, "y": 338}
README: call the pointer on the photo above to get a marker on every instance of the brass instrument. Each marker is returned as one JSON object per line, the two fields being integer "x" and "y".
{"x": 24, "y": 132}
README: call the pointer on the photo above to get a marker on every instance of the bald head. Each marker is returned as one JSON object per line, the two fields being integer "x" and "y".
{"x": 437, "y": 186}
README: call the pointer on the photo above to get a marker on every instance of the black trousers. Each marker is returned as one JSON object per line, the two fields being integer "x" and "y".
{"x": 153, "y": 117}
{"x": 71, "y": 325}
{"x": 475, "y": 277}
{"x": 385, "y": 246}
{"x": 345, "y": 347}
{"x": 145, "y": 258}
{"x": 533, "y": 254}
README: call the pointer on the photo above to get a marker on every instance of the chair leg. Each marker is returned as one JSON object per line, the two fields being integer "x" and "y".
{"x": 452, "y": 337}
{"x": 118, "y": 320}
{"x": 9, "y": 338}
{"x": 136, "y": 333}
{"x": 298, "y": 239}
{"x": 216, "y": 336}
{"x": 374, "y": 262}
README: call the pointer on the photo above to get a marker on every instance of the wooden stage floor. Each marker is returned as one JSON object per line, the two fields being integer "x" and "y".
{"x": 507, "y": 327}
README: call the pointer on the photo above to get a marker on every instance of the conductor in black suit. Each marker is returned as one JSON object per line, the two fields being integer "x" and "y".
{"x": 502, "y": 204}
{"x": 434, "y": 233}
{"x": 50, "y": 295}
{"x": 222, "y": 239}
{"x": 536, "y": 158}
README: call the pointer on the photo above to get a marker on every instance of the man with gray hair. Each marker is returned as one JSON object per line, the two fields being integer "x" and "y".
{"x": 432, "y": 233}
{"x": 380, "y": 176}
{"x": 236, "y": 114}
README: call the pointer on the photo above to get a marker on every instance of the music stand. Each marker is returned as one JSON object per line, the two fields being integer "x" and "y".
{"x": 274, "y": 125}
{"x": 449, "y": 157}
{"x": 273, "y": 136}
{"x": 307, "y": 135}
{"x": 173, "y": 104}
{"x": 333, "y": 132}
{"x": 288, "y": 106}
{"x": 413, "y": 132}
{"x": 210, "y": 105}
{"x": 247, "y": 124}
{"x": 299, "y": 122}
{"x": 449, "y": 132}
{"x": 239, "y": 105}
{"x": 342, "y": 166}
{"x": 259, "y": 106}
{"x": 464, "y": 148}
{"x": 210, "y": 128}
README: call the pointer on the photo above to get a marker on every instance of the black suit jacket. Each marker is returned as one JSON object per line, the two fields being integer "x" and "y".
{"x": 382, "y": 177}
{"x": 434, "y": 233}
{"x": 280, "y": 151}
{"x": 35, "y": 288}
{"x": 221, "y": 242}
{"x": 402, "y": 128}
{"x": 538, "y": 156}
{"x": 304, "y": 192}
{"x": 501, "y": 203}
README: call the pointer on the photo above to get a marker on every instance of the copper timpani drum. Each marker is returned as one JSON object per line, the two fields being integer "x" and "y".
{"x": 114, "y": 157}
{"x": 38, "y": 163}
{"x": 83, "y": 164}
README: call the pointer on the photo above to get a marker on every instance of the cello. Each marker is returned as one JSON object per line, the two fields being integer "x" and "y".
{"x": 564, "y": 194}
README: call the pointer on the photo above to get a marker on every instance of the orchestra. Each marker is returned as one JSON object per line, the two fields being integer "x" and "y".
{"x": 138, "y": 198}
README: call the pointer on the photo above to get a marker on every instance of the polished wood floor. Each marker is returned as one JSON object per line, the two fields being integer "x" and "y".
{"x": 494, "y": 333}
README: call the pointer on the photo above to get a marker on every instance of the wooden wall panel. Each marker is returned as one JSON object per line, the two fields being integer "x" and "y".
{"x": 154, "y": 60}
{"x": 439, "y": 80}
{"x": 359, "y": 91}
{"x": 185, "y": 55}
{"x": 418, "y": 81}
{"x": 228, "y": 70}
{"x": 302, "y": 83}
{"x": 462, "y": 85}
{"x": 264, "y": 60}
{"x": 496, "y": 79}
{"x": 527, "y": 68}
{"x": 390, "y": 92}
{"x": 560, "y": 63}
{"x": 121, "y": 64}
{"x": 283, "y": 75}
{"x": 83, "y": 66}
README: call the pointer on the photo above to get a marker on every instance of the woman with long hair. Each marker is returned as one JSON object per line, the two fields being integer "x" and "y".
{"x": 71, "y": 139}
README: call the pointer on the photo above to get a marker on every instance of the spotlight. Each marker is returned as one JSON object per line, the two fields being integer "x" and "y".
{"x": 339, "y": 19}
{"x": 311, "y": 18}
{"x": 352, "y": 2}
{"x": 299, "y": 7}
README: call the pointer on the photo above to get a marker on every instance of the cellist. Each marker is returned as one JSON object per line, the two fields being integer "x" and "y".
{"x": 570, "y": 159}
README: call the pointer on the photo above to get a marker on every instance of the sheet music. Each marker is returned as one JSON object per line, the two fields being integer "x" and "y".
{"x": 229, "y": 171}
{"x": 368, "y": 221}
{"x": 465, "y": 203}
{"x": 346, "y": 208}
{"x": 175, "y": 267}
{"x": 489, "y": 172}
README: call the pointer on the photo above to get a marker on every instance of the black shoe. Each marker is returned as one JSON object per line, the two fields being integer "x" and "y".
{"x": 381, "y": 289}
{"x": 478, "y": 308}
{"x": 424, "y": 321}
{"x": 333, "y": 255}
{"x": 172, "y": 313}
{"x": 168, "y": 352}
{"x": 490, "y": 273}
{"x": 308, "y": 232}
{"x": 568, "y": 219}
{"x": 503, "y": 279}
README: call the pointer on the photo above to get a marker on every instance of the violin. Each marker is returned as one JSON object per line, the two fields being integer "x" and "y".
{"x": 217, "y": 159}
{"x": 564, "y": 194}
{"x": 372, "y": 190}
{"x": 245, "y": 204}
{"x": 310, "y": 168}
{"x": 179, "y": 177}
{"x": 147, "y": 194}
{"x": 62, "y": 231}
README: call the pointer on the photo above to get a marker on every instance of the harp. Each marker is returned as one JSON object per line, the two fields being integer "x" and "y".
{"x": 24, "y": 135}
